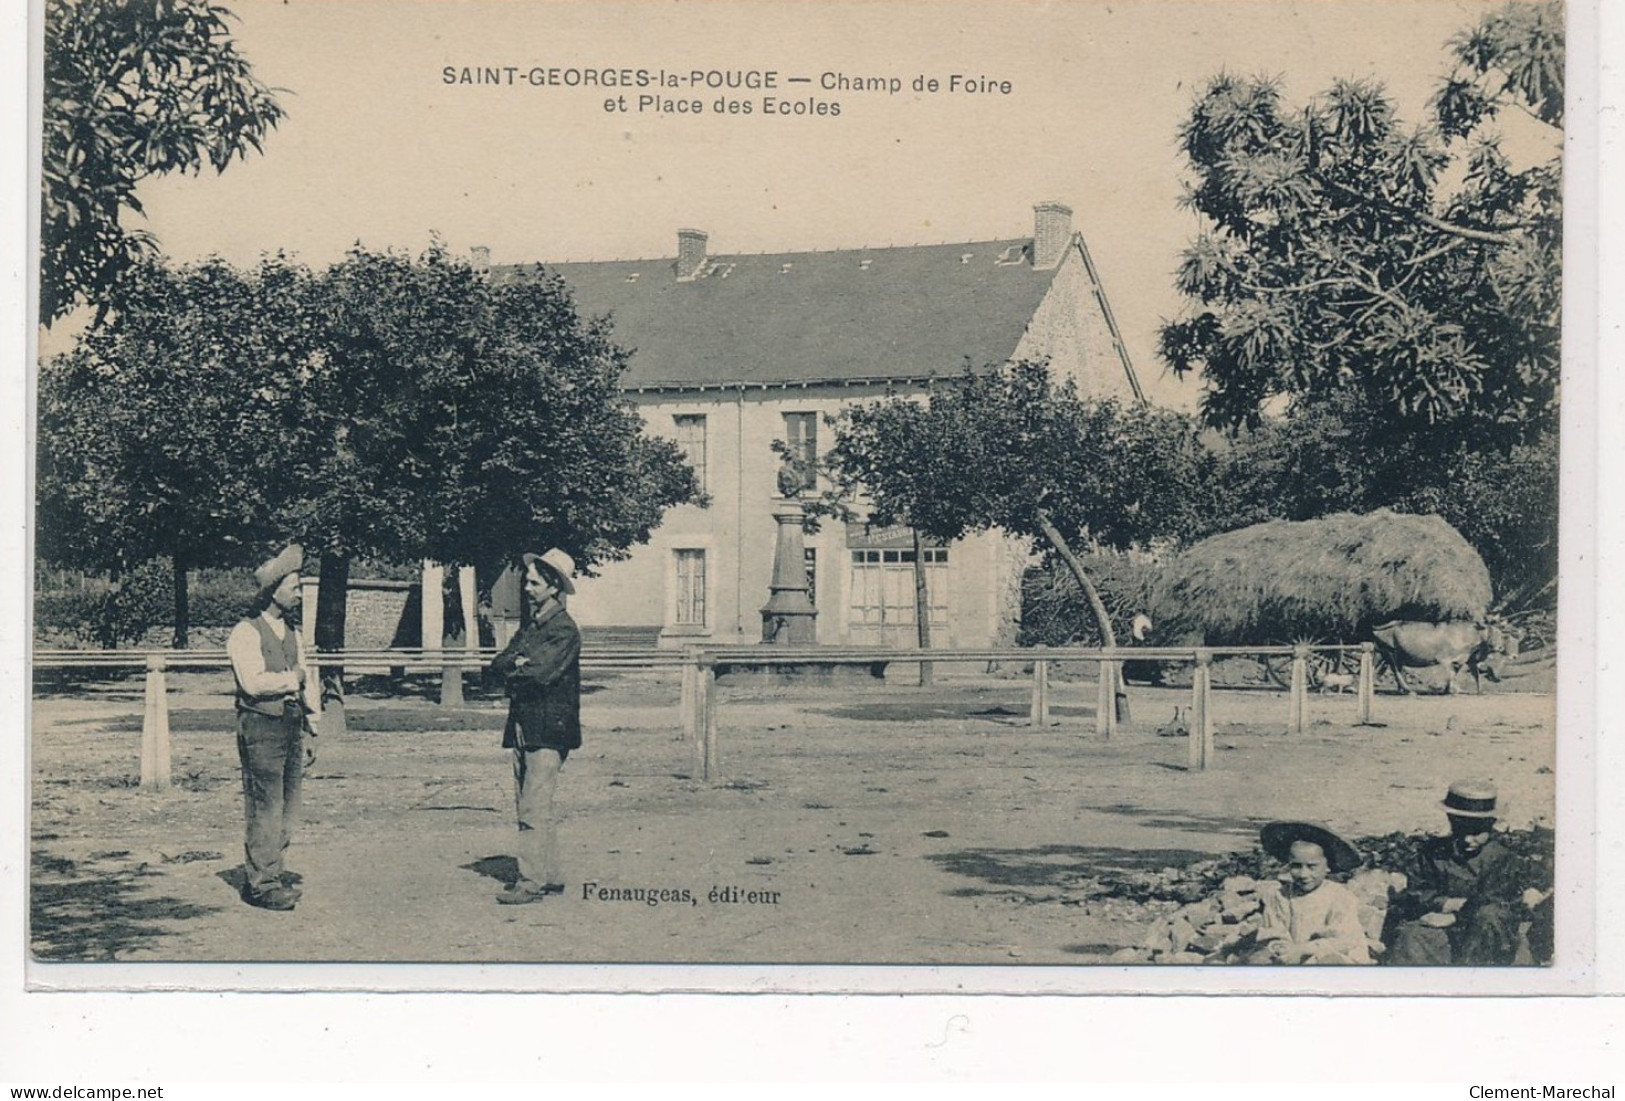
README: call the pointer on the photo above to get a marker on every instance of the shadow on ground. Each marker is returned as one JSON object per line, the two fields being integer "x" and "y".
{"x": 90, "y": 914}
{"x": 1189, "y": 823}
{"x": 378, "y": 686}
{"x": 1056, "y": 865}
{"x": 503, "y": 869}
{"x": 902, "y": 711}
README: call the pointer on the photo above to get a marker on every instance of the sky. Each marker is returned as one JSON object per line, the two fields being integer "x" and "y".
{"x": 378, "y": 148}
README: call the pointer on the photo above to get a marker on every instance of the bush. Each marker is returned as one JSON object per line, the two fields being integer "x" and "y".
{"x": 218, "y": 598}
{"x": 107, "y": 617}
{"x": 143, "y": 602}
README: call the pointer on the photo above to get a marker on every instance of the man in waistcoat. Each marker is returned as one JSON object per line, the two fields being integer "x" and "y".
{"x": 276, "y": 710}
{"x": 541, "y": 669}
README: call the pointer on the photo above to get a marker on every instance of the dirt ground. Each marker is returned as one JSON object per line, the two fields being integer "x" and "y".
{"x": 876, "y": 822}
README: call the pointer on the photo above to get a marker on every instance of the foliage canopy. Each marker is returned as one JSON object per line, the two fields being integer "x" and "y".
{"x": 1415, "y": 266}
{"x": 133, "y": 88}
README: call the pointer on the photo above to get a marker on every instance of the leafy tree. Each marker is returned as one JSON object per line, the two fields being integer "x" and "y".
{"x": 1414, "y": 267}
{"x": 455, "y": 417}
{"x": 162, "y": 432}
{"x": 1009, "y": 448}
{"x": 133, "y": 88}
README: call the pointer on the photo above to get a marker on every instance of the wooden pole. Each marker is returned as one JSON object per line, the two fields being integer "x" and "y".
{"x": 1039, "y": 713}
{"x": 711, "y": 757}
{"x": 313, "y": 685}
{"x": 155, "y": 728}
{"x": 1111, "y": 674}
{"x": 1300, "y": 690}
{"x": 1368, "y": 680}
{"x": 691, "y": 721}
{"x": 468, "y": 591}
{"x": 434, "y": 616}
{"x": 1201, "y": 722}
{"x": 1105, "y": 700}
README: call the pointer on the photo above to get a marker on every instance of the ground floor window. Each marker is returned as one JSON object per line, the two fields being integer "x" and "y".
{"x": 882, "y": 607}
{"x": 689, "y": 589}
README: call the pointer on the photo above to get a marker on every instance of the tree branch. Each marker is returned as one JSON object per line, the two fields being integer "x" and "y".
{"x": 1466, "y": 232}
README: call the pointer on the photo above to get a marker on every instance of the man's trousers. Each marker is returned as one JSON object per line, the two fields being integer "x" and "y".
{"x": 535, "y": 776}
{"x": 272, "y": 752}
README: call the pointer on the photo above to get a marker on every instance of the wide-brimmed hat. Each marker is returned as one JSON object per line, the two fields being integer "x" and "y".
{"x": 1278, "y": 838}
{"x": 559, "y": 564}
{"x": 274, "y": 570}
{"x": 1470, "y": 799}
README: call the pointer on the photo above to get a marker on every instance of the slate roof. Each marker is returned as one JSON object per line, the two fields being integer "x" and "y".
{"x": 828, "y": 317}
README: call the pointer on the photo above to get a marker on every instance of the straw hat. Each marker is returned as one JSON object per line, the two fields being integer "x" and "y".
{"x": 1470, "y": 799}
{"x": 559, "y": 564}
{"x": 274, "y": 570}
{"x": 1278, "y": 838}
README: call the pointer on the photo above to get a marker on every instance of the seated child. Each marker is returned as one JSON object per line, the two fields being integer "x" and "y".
{"x": 1310, "y": 919}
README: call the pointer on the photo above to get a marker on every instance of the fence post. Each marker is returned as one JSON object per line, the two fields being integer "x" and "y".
{"x": 312, "y": 688}
{"x": 1368, "y": 680}
{"x": 1201, "y": 721}
{"x": 155, "y": 727}
{"x": 1300, "y": 689}
{"x": 1039, "y": 712}
{"x": 688, "y": 706}
{"x": 1117, "y": 713}
{"x": 710, "y": 750}
{"x": 1105, "y": 700}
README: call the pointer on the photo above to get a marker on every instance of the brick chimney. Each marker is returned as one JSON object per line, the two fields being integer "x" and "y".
{"x": 480, "y": 257}
{"x": 1052, "y": 232}
{"x": 690, "y": 253}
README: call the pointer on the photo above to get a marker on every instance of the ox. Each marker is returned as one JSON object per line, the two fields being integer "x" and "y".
{"x": 1452, "y": 645}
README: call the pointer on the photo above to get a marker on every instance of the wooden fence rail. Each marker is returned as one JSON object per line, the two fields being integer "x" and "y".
{"x": 699, "y": 666}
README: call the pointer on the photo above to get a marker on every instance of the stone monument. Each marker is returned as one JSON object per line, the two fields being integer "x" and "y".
{"x": 788, "y": 617}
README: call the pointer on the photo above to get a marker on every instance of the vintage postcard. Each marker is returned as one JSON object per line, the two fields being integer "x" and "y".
{"x": 1029, "y": 497}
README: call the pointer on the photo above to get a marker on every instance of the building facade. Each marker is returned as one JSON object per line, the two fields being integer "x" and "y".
{"x": 732, "y": 353}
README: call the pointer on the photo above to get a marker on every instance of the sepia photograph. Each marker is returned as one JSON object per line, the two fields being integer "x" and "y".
{"x": 1051, "y": 496}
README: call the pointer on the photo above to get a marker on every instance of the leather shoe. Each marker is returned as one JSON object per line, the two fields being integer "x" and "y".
{"x": 277, "y": 898}
{"x": 520, "y": 893}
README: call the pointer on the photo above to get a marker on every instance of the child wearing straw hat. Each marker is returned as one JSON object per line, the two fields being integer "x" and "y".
{"x": 1311, "y": 919}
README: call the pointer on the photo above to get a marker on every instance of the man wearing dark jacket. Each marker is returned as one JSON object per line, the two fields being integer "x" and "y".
{"x": 1469, "y": 895}
{"x": 542, "y": 671}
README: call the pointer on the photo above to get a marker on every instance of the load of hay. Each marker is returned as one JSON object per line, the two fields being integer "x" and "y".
{"x": 1327, "y": 580}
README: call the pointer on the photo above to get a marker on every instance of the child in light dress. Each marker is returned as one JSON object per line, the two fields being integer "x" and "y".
{"x": 1310, "y": 919}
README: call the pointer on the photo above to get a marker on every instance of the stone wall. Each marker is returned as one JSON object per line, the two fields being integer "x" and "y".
{"x": 374, "y": 612}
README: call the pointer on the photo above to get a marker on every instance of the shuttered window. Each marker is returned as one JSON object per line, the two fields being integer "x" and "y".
{"x": 691, "y": 438}
{"x": 801, "y": 434}
{"x": 689, "y": 610}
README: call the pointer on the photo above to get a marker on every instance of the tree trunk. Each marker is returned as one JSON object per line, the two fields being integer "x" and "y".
{"x": 183, "y": 610}
{"x": 332, "y": 600}
{"x": 922, "y": 607}
{"x": 1103, "y": 620}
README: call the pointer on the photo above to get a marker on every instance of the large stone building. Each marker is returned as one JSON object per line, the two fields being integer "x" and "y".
{"x": 732, "y": 352}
